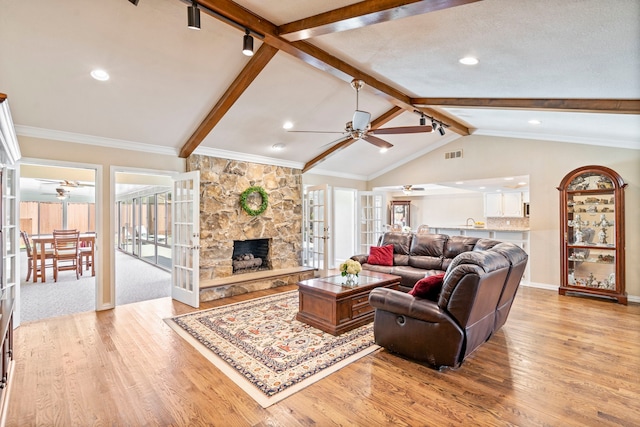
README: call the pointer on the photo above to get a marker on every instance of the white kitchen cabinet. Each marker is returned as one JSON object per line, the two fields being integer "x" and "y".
{"x": 512, "y": 204}
{"x": 503, "y": 205}
{"x": 492, "y": 204}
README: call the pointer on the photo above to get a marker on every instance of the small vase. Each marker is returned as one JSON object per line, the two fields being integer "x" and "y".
{"x": 351, "y": 280}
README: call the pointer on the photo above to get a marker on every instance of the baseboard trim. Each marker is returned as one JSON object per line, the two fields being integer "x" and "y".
{"x": 630, "y": 298}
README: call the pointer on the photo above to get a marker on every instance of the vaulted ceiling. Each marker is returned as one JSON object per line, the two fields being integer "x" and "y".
{"x": 572, "y": 65}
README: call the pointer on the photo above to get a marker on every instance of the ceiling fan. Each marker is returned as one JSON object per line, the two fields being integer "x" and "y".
{"x": 360, "y": 125}
{"x": 408, "y": 189}
{"x": 67, "y": 184}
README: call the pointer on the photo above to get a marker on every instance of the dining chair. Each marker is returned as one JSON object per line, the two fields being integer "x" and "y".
{"x": 66, "y": 245}
{"x": 86, "y": 253}
{"x": 32, "y": 264}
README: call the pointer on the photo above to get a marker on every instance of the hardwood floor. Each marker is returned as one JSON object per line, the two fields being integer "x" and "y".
{"x": 558, "y": 361}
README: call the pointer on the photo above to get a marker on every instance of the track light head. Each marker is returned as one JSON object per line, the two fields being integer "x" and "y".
{"x": 193, "y": 16}
{"x": 247, "y": 44}
{"x": 423, "y": 120}
{"x": 441, "y": 129}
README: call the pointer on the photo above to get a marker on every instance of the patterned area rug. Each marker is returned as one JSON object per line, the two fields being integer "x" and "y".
{"x": 262, "y": 348}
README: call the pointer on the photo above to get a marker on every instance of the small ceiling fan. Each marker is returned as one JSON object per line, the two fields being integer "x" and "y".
{"x": 66, "y": 183}
{"x": 408, "y": 189}
{"x": 360, "y": 126}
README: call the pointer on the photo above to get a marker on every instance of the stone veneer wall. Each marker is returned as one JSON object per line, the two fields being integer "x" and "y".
{"x": 222, "y": 220}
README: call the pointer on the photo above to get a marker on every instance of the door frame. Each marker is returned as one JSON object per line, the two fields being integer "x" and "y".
{"x": 111, "y": 239}
{"x": 100, "y": 241}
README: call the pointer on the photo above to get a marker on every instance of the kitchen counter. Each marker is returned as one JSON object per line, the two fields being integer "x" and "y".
{"x": 468, "y": 227}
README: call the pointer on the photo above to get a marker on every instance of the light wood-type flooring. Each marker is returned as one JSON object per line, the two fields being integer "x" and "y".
{"x": 558, "y": 361}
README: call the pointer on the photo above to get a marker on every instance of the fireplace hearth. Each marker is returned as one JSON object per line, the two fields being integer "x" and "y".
{"x": 251, "y": 255}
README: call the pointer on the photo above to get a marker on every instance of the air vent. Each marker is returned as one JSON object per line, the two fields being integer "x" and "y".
{"x": 453, "y": 154}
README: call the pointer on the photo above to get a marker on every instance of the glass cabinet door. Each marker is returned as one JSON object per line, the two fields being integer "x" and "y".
{"x": 592, "y": 223}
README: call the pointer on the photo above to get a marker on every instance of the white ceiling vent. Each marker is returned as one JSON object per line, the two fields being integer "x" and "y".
{"x": 453, "y": 154}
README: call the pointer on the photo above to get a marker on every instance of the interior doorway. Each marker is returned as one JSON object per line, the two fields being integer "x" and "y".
{"x": 142, "y": 237}
{"x": 55, "y": 196}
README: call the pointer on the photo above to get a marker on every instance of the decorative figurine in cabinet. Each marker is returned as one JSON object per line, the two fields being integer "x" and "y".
{"x": 592, "y": 233}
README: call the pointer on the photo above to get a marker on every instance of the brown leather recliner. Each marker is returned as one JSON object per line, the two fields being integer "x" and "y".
{"x": 477, "y": 293}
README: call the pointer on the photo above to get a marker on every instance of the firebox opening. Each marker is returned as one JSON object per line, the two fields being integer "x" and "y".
{"x": 251, "y": 255}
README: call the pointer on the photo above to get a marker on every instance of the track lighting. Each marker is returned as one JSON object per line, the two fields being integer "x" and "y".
{"x": 193, "y": 16}
{"x": 247, "y": 44}
{"x": 434, "y": 125}
{"x": 441, "y": 129}
{"x": 423, "y": 120}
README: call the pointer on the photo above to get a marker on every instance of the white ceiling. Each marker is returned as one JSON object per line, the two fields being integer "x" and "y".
{"x": 166, "y": 78}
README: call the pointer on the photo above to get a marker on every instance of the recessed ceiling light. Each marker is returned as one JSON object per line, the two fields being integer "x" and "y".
{"x": 534, "y": 122}
{"x": 522, "y": 183}
{"x": 481, "y": 188}
{"x": 460, "y": 182}
{"x": 100, "y": 75}
{"x": 509, "y": 179}
{"x": 383, "y": 150}
{"x": 287, "y": 125}
{"x": 278, "y": 147}
{"x": 468, "y": 60}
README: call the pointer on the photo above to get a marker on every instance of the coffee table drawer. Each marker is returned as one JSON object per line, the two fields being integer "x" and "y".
{"x": 361, "y": 310}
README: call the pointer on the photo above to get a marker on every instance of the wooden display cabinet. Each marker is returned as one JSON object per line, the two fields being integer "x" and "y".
{"x": 592, "y": 233}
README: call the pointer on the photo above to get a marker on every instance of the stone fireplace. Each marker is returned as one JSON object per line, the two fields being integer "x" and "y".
{"x": 223, "y": 221}
{"x": 250, "y": 255}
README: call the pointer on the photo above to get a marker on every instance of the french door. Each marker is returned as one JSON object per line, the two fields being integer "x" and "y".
{"x": 316, "y": 229}
{"x": 185, "y": 274}
{"x": 372, "y": 219}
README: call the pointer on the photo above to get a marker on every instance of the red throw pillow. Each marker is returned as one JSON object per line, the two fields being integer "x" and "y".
{"x": 429, "y": 287}
{"x": 381, "y": 255}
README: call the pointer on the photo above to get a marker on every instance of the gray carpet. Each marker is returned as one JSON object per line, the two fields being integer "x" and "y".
{"x": 135, "y": 281}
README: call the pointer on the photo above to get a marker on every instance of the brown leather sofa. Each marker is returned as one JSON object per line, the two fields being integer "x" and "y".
{"x": 477, "y": 293}
{"x": 416, "y": 256}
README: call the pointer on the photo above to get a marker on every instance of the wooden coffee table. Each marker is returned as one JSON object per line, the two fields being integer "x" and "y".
{"x": 327, "y": 305}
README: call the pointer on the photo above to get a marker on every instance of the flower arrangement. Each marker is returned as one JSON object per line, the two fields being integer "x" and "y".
{"x": 350, "y": 266}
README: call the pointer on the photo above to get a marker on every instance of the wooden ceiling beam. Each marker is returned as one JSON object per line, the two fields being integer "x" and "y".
{"x": 317, "y": 57}
{"x": 360, "y": 15}
{"x": 611, "y": 106}
{"x": 255, "y": 65}
{"x": 378, "y": 122}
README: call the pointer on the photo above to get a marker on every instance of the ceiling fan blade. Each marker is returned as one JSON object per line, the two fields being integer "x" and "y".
{"x": 404, "y": 129}
{"x": 343, "y": 138}
{"x": 314, "y": 131}
{"x": 377, "y": 141}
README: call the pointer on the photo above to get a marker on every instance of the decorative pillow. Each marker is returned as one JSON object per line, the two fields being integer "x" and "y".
{"x": 381, "y": 255}
{"x": 428, "y": 287}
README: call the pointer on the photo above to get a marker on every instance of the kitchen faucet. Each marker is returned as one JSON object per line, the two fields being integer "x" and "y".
{"x": 473, "y": 222}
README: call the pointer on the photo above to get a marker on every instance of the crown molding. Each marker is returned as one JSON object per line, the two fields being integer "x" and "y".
{"x": 633, "y": 145}
{"x": 80, "y": 138}
{"x": 244, "y": 157}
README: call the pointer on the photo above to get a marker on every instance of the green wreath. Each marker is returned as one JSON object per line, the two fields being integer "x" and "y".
{"x": 246, "y": 193}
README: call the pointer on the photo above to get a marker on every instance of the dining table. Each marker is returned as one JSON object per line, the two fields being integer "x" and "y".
{"x": 39, "y": 253}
